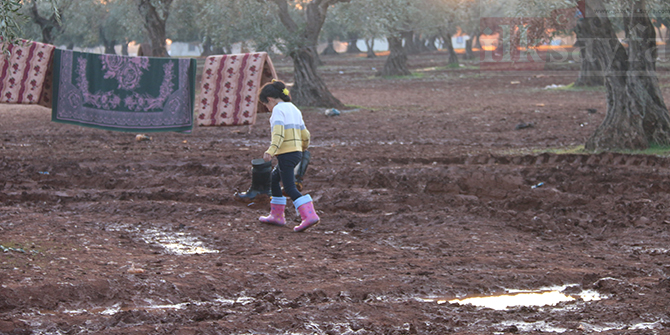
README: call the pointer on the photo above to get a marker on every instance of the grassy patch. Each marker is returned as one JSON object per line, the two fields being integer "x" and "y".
{"x": 537, "y": 151}
{"x": 566, "y": 151}
{"x": 653, "y": 150}
{"x": 572, "y": 88}
{"x": 20, "y": 247}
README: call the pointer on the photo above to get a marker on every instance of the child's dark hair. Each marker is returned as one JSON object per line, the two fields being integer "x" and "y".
{"x": 276, "y": 89}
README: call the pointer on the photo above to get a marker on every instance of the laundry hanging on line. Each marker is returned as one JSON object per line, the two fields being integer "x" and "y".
{"x": 123, "y": 93}
{"x": 25, "y": 73}
{"x": 229, "y": 88}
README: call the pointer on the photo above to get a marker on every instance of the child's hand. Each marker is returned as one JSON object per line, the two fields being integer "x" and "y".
{"x": 267, "y": 157}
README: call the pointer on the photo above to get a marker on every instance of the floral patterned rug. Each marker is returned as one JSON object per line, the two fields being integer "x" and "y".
{"x": 229, "y": 88}
{"x": 136, "y": 94}
{"x": 24, "y": 73}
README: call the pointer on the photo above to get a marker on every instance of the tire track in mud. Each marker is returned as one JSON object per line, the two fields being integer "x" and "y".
{"x": 451, "y": 174}
{"x": 616, "y": 159}
{"x": 555, "y": 188}
{"x": 447, "y": 181}
{"x": 63, "y": 182}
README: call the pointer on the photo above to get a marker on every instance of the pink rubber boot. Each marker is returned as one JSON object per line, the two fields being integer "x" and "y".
{"x": 305, "y": 207}
{"x": 276, "y": 217}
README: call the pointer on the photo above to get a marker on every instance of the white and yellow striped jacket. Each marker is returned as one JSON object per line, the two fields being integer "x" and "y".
{"x": 289, "y": 133}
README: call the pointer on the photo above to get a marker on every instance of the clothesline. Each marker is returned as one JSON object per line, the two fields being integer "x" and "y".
{"x": 126, "y": 93}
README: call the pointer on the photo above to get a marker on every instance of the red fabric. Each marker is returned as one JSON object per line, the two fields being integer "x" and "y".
{"x": 25, "y": 76}
{"x": 229, "y": 88}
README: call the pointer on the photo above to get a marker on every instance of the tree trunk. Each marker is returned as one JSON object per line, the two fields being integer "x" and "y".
{"x": 590, "y": 71}
{"x": 370, "y": 44}
{"x": 469, "y": 54}
{"x": 109, "y": 45}
{"x": 309, "y": 88}
{"x": 110, "y": 48}
{"x": 430, "y": 43}
{"x": 330, "y": 48}
{"x": 420, "y": 43}
{"x": 154, "y": 26}
{"x": 124, "y": 48}
{"x": 207, "y": 47}
{"x": 352, "y": 48}
{"x": 47, "y": 25}
{"x": 636, "y": 113}
{"x": 396, "y": 63}
{"x": 410, "y": 46}
{"x": 446, "y": 39}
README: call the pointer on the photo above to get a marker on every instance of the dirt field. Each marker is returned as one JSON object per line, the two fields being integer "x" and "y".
{"x": 429, "y": 191}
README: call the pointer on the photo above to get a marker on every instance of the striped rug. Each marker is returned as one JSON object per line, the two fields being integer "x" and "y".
{"x": 25, "y": 76}
{"x": 229, "y": 88}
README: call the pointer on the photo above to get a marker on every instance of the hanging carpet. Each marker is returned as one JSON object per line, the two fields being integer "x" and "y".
{"x": 121, "y": 93}
{"x": 229, "y": 88}
{"x": 25, "y": 75}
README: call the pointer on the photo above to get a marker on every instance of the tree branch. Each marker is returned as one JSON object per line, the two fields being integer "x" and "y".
{"x": 285, "y": 17}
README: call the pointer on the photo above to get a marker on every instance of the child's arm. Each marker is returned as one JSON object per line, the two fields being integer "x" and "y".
{"x": 305, "y": 137}
{"x": 277, "y": 138}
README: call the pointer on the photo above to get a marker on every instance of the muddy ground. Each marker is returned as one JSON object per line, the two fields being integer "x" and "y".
{"x": 427, "y": 190}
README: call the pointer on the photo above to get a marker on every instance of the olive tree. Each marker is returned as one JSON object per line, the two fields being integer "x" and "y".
{"x": 155, "y": 14}
{"x": 361, "y": 20}
{"x": 392, "y": 18}
{"x": 119, "y": 23}
{"x": 82, "y": 25}
{"x": 542, "y": 20}
{"x": 252, "y": 23}
{"x": 47, "y": 15}
{"x": 10, "y": 20}
{"x": 443, "y": 18}
{"x": 303, "y": 32}
{"x": 292, "y": 27}
{"x": 637, "y": 116}
{"x": 636, "y": 112}
{"x": 660, "y": 13}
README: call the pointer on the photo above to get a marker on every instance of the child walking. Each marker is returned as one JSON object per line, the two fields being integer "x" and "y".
{"x": 290, "y": 138}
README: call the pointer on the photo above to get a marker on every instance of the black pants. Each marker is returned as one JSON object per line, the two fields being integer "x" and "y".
{"x": 285, "y": 172}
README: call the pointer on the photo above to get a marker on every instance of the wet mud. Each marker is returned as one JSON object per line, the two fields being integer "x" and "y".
{"x": 428, "y": 193}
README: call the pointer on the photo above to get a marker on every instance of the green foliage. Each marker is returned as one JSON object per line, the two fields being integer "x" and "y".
{"x": 10, "y": 17}
{"x": 122, "y": 21}
{"x": 43, "y": 15}
{"x": 83, "y": 20}
{"x": 360, "y": 16}
{"x": 226, "y": 22}
{"x": 579, "y": 149}
{"x": 181, "y": 24}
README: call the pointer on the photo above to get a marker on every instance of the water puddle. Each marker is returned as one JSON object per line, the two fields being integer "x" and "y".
{"x": 523, "y": 298}
{"x": 157, "y": 308}
{"x": 548, "y": 327}
{"x": 177, "y": 243}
